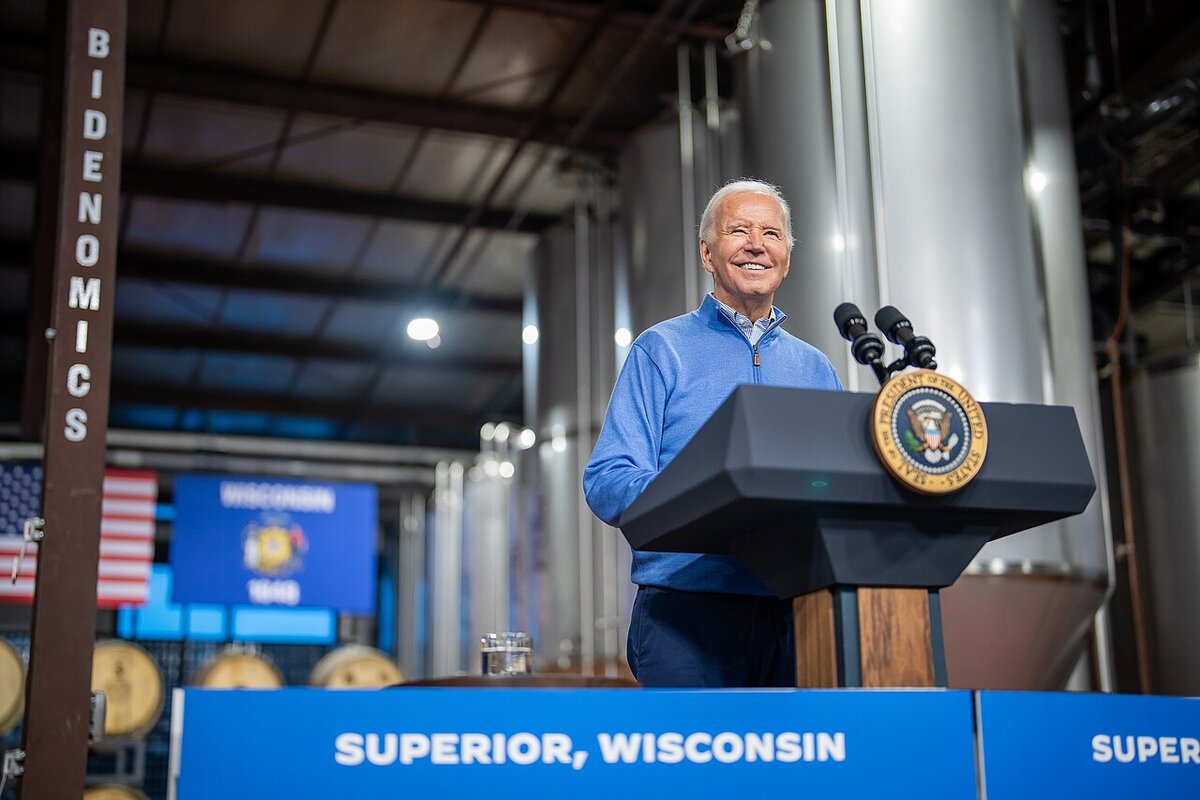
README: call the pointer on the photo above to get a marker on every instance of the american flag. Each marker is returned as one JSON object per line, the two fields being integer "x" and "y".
{"x": 126, "y": 533}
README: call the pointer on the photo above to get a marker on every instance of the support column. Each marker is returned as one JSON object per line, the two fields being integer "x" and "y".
{"x": 84, "y": 243}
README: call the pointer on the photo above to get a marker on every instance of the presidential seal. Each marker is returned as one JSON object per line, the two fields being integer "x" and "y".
{"x": 929, "y": 432}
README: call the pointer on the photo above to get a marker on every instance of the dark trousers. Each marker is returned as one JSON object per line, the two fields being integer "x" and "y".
{"x": 702, "y": 639}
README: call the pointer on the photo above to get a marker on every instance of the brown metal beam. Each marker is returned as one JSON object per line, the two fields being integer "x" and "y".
{"x": 206, "y": 187}
{"x": 217, "y": 82}
{"x": 590, "y": 12}
{"x": 88, "y": 38}
{"x": 277, "y": 279}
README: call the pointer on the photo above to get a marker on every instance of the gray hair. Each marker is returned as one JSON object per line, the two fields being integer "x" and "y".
{"x": 708, "y": 219}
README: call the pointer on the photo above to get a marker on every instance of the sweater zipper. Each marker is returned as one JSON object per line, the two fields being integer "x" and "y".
{"x": 753, "y": 347}
{"x": 757, "y": 360}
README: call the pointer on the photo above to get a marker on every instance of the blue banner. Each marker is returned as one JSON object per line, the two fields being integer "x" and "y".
{"x": 601, "y": 743}
{"x": 270, "y": 542}
{"x": 1045, "y": 745}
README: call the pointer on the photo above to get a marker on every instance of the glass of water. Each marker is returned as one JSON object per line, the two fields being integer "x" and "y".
{"x": 507, "y": 653}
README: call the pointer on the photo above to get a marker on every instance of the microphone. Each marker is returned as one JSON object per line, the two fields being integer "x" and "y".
{"x": 899, "y": 330}
{"x": 866, "y": 347}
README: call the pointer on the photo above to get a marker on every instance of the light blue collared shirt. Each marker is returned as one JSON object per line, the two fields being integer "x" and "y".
{"x": 751, "y": 330}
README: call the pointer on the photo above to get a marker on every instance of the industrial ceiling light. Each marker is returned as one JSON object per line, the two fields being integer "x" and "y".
{"x": 423, "y": 329}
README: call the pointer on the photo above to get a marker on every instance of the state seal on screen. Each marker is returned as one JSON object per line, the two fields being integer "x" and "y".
{"x": 929, "y": 432}
{"x": 273, "y": 545}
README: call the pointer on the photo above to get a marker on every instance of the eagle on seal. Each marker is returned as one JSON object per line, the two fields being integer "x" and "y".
{"x": 931, "y": 432}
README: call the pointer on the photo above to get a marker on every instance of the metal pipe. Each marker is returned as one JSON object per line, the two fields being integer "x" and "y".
{"x": 410, "y": 575}
{"x": 1102, "y": 661}
{"x": 202, "y": 462}
{"x": 608, "y": 538}
{"x": 283, "y": 448}
{"x": 446, "y": 572}
{"x": 840, "y": 170}
{"x": 1112, "y": 347}
{"x": 1114, "y": 46}
{"x": 583, "y": 428}
{"x": 871, "y": 96}
{"x": 1101, "y": 620}
{"x": 687, "y": 177}
{"x": 712, "y": 118}
{"x": 1189, "y": 308}
{"x": 1165, "y": 105}
{"x": 418, "y": 474}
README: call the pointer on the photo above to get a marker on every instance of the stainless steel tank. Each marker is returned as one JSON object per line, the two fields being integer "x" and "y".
{"x": 583, "y": 596}
{"x": 665, "y": 275}
{"x": 488, "y": 536}
{"x": 905, "y": 137}
{"x": 666, "y": 174}
{"x": 1167, "y": 419}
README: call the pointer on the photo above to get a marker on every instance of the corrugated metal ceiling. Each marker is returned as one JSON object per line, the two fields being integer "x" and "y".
{"x": 302, "y": 176}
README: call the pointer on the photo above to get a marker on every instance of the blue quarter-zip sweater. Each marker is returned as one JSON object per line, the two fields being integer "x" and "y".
{"x": 678, "y": 372}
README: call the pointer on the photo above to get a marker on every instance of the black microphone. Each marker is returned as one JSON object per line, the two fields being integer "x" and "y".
{"x": 899, "y": 330}
{"x": 866, "y": 347}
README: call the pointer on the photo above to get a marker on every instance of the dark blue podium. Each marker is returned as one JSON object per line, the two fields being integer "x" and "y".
{"x": 787, "y": 480}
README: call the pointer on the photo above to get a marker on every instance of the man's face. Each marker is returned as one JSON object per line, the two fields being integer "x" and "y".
{"x": 749, "y": 256}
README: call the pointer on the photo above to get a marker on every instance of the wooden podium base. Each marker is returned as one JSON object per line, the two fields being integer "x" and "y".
{"x": 869, "y": 637}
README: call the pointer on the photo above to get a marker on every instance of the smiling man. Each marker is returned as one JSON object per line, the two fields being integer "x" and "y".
{"x": 702, "y": 620}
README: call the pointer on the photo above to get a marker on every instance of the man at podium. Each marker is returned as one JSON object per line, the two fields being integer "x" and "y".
{"x": 704, "y": 620}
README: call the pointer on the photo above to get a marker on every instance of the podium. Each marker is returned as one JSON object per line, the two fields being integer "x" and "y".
{"x": 787, "y": 481}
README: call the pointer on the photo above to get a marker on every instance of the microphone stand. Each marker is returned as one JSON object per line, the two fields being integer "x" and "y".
{"x": 883, "y": 374}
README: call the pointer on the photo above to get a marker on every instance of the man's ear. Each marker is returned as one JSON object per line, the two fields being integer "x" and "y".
{"x": 706, "y": 257}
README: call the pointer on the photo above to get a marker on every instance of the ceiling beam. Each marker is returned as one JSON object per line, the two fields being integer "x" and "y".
{"x": 207, "y": 187}
{"x": 290, "y": 405}
{"x": 189, "y": 337}
{"x": 395, "y": 415}
{"x": 204, "y": 187}
{"x": 302, "y": 281}
{"x": 589, "y": 12}
{"x": 201, "y": 272}
{"x": 217, "y": 82}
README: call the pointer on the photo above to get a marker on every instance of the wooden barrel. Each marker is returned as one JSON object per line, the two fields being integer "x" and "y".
{"x": 132, "y": 685}
{"x": 237, "y": 667}
{"x": 12, "y": 686}
{"x": 113, "y": 791}
{"x": 355, "y": 666}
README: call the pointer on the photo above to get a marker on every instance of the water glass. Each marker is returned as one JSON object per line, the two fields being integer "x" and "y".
{"x": 507, "y": 653}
